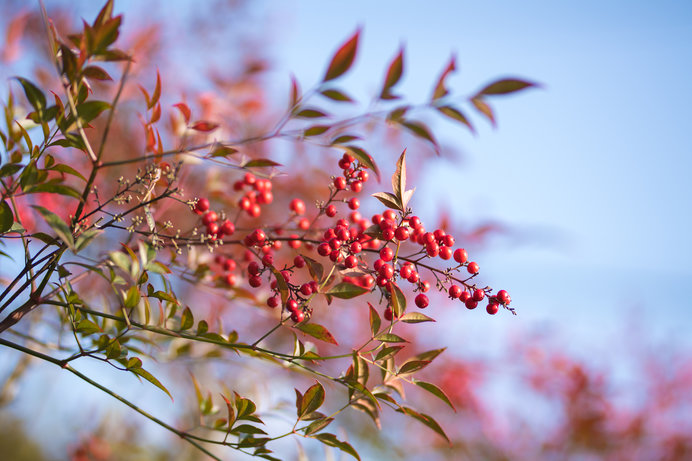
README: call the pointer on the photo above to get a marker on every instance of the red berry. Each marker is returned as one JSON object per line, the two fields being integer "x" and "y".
{"x": 330, "y": 211}
{"x": 297, "y": 206}
{"x": 238, "y": 185}
{"x": 386, "y": 271}
{"x": 478, "y": 295}
{"x": 336, "y": 256}
{"x": 298, "y": 316}
{"x": 377, "y": 219}
{"x": 351, "y": 262}
{"x": 354, "y": 203}
{"x": 492, "y": 308}
{"x": 363, "y": 175}
{"x": 258, "y": 236}
{"x": 422, "y": 301}
{"x": 381, "y": 281}
{"x": 273, "y": 301}
{"x": 254, "y": 210}
{"x": 340, "y": 183}
{"x": 227, "y": 227}
{"x": 386, "y": 254}
{"x": 306, "y": 289}
{"x": 292, "y": 305}
{"x": 344, "y": 164}
{"x": 429, "y": 238}
{"x": 471, "y": 304}
{"x": 445, "y": 253}
{"x": 433, "y": 249}
{"x": 402, "y": 233}
{"x": 388, "y": 314}
{"x": 503, "y": 297}
{"x": 249, "y": 179}
{"x": 343, "y": 233}
{"x": 298, "y": 261}
{"x": 406, "y": 271}
{"x": 286, "y": 275}
{"x": 268, "y": 259}
{"x": 303, "y": 224}
{"x": 212, "y": 228}
{"x": 448, "y": 240}
{"x": 413, "y": 278}
{"x": 460, "y": 255}
{"x": 209, "y": 217}
{"x": 439, "y": 234}
{"x": 323, "y": 249}
{"x": 455, "y": 291}
{"x": 295, "y": 243}
{"x": 388, "y": 234}
{"x": 230, "y": 279}
{"x": 465, "y": 296}
{"x": 473, "y": 268}
{"x": 255, "y": 281}
{"x": 425, "y": 286}
{"x": 356, "y": 247}
{"x": 229, "y": 265}
{"x": 378, "y": 264}
{"x": 389, "y": 214}
{"x": 356, "y": 186}
{"x": 202, "y": 205}
{"x": 253, "y": 268}
{"x": 415, "y": 222}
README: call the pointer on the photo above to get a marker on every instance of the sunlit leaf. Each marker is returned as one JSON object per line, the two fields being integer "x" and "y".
{"x": 343, "y": 58}
{"x": 260, "y": 162}
{"x": 58, "y": 225}
{"x": 312, "y": 399}
{"x": 6, "y": 217}
{"x": 393, "y": 76}
{"x": 425, "y": 419}
{"x": 483, "y": 108}
{"x": 416, "y": 317}
{"x": 412, "y": 366}
{"x": 389, "y": 200}
{"x": 436, "y": 391}
{"x": 346, "y": 290}
{"x": 390, "y": 338}
{"x": 456, "y": 114}
{"x": 310, "y": 113}
{"x": 440, "y": 88}
{"x": 149, "y": 377}
{"x": 318, "y": 332}
{"x": 336, "y": 95}
{"x": 506, "y": 86}
{"x": 375, "y": 320}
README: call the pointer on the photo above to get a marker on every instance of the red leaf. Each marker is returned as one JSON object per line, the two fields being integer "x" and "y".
{"x": 204, "y": 126}
{"x": 185, "y": 110}
{"x": 343, "y": 58}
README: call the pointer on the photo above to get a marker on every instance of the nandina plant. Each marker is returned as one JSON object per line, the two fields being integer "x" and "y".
{"x": 132, "y": 236}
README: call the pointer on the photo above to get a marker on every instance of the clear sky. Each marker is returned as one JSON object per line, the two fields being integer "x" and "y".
{"x": 592, "y": 170}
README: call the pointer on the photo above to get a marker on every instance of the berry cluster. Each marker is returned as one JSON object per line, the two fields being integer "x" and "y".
{"x": 210, "y": 219}
{"x": 259, "y": 192}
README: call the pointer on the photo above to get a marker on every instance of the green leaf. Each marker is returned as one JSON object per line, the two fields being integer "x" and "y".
{"x": 318, "y": 332}
{"x": 59, "y": 189}
{"x": 422, "y": 131}
{"x": 149, "y": 377}
{"x": 68, "y": 170}
{"x": 85, "y": 239}
{"x": 311, "y": 400}
{"x": 58, "y": 225}
{"x": 222, "y": 151}
{"x": 247, "y": 429}
{"x": 456, "y": 114}
{"x": 416, "y": 317}
{"x": 483, "y": 108}
{"x": 390, "y": 338}
{"x": 310, "y": 113}
{"x": 318, "y": 425}
{"x": 428, "y": 355}
{"x": 132, "y": 297}
{"x": 89, "y": 110}
{"x": 398, "y": 300}
{"x": 393, "y": 76}
{"x": 506, "y": 86}
{"x": 281, "y": 284}
{"x": 87, "y": 327}
{"x": 260, "y": 162}
{"x": 436, "y": 391}
{"x": 113, "y": 350}
{"x": 389, "y": 200}
{"x": 425, "y": 419}
{"x": 364, "y": 158}
{"x": 315, "y": 268}
{"x": 387, "y": 352}
{"x": 412, "y": 366}
{"x": 375, "y": 320}
{"x": 10, "y": 169}
{"x": 96, "y": 73}
{"x": 346, "y": 290}
{"x": 344, "y": 138}
{"x": 343, "y": 58}
{"x": 336, "y": 95}
{"x": 316, "y": 130}
{"x": 33, "y": 94}
{"x": 332, "y": 441}
{"x": 6, "y": 217}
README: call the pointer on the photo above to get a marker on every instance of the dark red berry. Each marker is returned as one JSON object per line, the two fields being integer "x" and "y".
{"x": 227, "y": 227}
{"x": 351, "y": 262}
{"x": 255, "y": 281}
{"x": 298, "y": 261}
{"x": 455, "y": 291}
{"x": 422, "y": 301}
{"x": 306, "y": 289}
{"x": 202, "y": 205}
{"x": 330, "y": 211}
{"x": 274, "y": 301}
{"x": 492, "y": 308}
{"x": 478, "y": 295}
{"x": 473, "y": 268}
{"x": 460, "y": 255}
{"x": 402, "y": 233}
{"x": 386, "y": 254}
{"x": 503, "y": 297}
{"x": 388, "y": 314}
{"x": 471, "y": 304}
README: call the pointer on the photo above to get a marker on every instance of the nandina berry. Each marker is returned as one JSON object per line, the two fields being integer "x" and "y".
{"x": 265, "y": 197}
{"x": 202, "y": 205}
{"x": 422, "y": 301}
{"x": 249, "y": 179}
{"x": 377, "y": 219}
{"x": 478, "y": 295}
{"x": 294, "y": 243}
{"x": 323, "y": 249}
{"x": 356, "y": 247}
{"x": 238, "y": 185}
{"x": 367, "y": 281}
{"x": 432, "y": 249}
{"x": 303, "y": 224}
{"x": 258, "y": 236}
{"x": 230, "y": 279}
{"x": 503, "y": 297}
{"x": 492, "y": 308}
{"x": 229, "y": 264}
{"x": 455, "y": 291}
{"x": 414, "y": 277}
{"x": 439, "y": 234}
{"x": 314, "y": 286}
{"x": 244, "y": 204}
{"x": 330, "y": 211}
{"x": 425, "y": 286}
{"x": 335, "y": 243}
{"x": 336, "y": 256}
{"x": 405, "y": 271}
{"x": 429, "y": 238}
{"x": 388, "y": 314}
{"x": 388, "y": 234}
{"x": 386, "y": 271}
{"x": 402, "y": 233}
{"x": 227, "y": 227}
{"x": 363, "y": 175}
{"x": 253, "y": 268}
{"x": 329, "y": 234}
{"x": 378, "y": 264}
{"x": 255, "y": 281}
{"x": 473, "y": 268}
{"x": 298, "y": 316}
{"x": 389, "y": 214}
{"x": 381, "y": 281}
{"x": 343, "y": 234}
{"x": 445, "y": 253}
{"x": 297, "y": 206}
{"x": 273, "y": 302}
{"x": 286, "y": 275}
{"x": 351, "y": 262}
{"x": 471, "y": 304}
{"x": 220, "y": 259}
{"x": 465, "y": 296}
{"x": 298, "y": 261}
{"x": 268, "y": 259}
{"x": 340, "y": 183}
{"x": 460, "y": 255}
{"x": 355, "y": 217}
{"x": 212, "y": 228}
{"x": 387, "y": 224}
{"x": 415, "y": 222}
{"x": 354, "y": 203}
{"x": 292, "y": 305}
{"x": 209, "y": 217}
{"x": 306, "y": 289}
{"x": 356, "y": 186}
{"x": 448, "y": 241}
{"x": 344, "y": 164}
{"x": 254, "y": 210}
{"x": 386, "y": 254}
